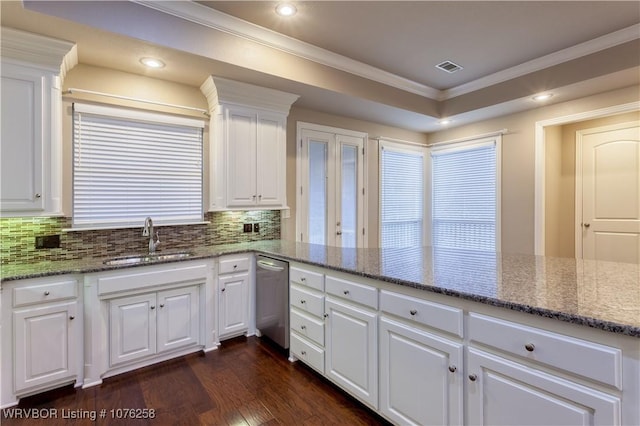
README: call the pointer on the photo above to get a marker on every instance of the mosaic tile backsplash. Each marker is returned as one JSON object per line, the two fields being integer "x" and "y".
{"x": 17, "y": 236}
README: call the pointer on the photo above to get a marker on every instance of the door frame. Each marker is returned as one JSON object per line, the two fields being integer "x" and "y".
{"x": 301, "y": 169}
{"x": 539, "y": 150}
{"x": 580, "y": 134}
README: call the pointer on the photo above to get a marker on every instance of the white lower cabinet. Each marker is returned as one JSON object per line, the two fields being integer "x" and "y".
{"x": 503, "y": 392}
{"x": 421, "y": 376}
{"x": 149, "y": 324}
{"x": 233, "y": 305}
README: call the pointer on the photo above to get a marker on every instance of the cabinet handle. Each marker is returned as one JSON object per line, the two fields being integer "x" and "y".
{"x": 413, "y": 312}
{"x": 162, "y": 305}
{"x": 38, "y": 195}
{"x": 346, "y": 292}
{"x": 303, "y": 301}
{"x": 304, "y": 327}
{"x": 529, "y": 347}
{"x": 453, "y": 368}
{"x": 303, "y": 352}
{"x": 71, "y": 318}
{"x": 153, "y": 307}
{"x": 473, "y": 377}
{"x": 46, "y": 293}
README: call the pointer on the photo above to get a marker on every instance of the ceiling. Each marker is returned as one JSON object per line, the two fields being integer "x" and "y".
{"x": 368, "y": 60}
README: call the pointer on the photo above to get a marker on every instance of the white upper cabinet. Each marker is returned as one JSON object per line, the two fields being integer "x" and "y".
{"x": 247, "y": 150}
{"x": 30, "y": 147}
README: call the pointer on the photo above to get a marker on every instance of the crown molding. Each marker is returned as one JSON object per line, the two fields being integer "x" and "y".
{"x": 216, "y": 20}
{"x": 56, "y": 56}
{"x": 556, "y": 58}
{"x": 220, "y": 21}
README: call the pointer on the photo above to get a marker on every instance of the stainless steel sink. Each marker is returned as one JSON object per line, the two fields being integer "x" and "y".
{"x": 134, "y": 260}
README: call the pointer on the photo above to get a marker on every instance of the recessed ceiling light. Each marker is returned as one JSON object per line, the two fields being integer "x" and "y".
{"x": 152, "y": 62}
{"x": 445, "y": 121}
{"x": 542, "y": 97}
{"x": 286, "y": 9}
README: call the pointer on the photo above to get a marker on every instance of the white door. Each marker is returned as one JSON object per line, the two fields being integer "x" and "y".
{"x": 241, "y": 164}
{"x": 132, "y": 328}
{"x": 233, "y": 304}
{"x": 351, "y": 358}
{"x": 609, "y": 226}
{"x": 502, "y": 392}
{"x": 44, "y": 345}
{"x": 271, "y": 168}
{"x": 178, "y": 318}
{"x": 331, "y": 188}
{"x": 431, "y": 394}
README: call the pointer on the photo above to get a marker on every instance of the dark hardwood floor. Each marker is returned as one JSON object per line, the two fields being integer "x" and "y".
{"x": 247, "y": 381}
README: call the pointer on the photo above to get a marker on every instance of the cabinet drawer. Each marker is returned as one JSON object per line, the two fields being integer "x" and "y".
{"x": 307, "y": 301}
{"x": 307, "y": 278}
{"x": 307, "y": 353}
{"x": 231, "y": 265}
{"x": 308, "y": 326}
{"x": 431, "y": 314}
{"x": 359, "y": 293}
{"x": 587, "y": 359}
{"x": 45, "y": 292}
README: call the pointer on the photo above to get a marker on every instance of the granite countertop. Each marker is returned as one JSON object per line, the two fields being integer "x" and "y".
{"x": 603, "y": 295}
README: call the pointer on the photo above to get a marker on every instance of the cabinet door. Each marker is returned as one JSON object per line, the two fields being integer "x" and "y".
{"x": 44, "y": 346}
{"x": 132, "y": 323}
{"x": 178, "y": 318}
{"x": 271, "y": 155}
{"x": 421, "y": 378}
{"x": 351, "y": 358}
{"x": 23, "y": 107}
{"x": 233, "y": 304}
{"x": 502, "y": 392}
{"x": 241, "y": 157}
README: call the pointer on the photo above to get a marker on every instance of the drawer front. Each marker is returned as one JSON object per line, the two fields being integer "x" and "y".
{"x": 556, "y": 350}
{"x": 308, "y": 326}
{"x": 307, "y": 353}
{"x": 307, "y": 278}
{"x": 441, "y": 317}
{"x": 235, "y": 264}
{"x": 307, "y": 301}
{"x": 359, "y": 293}
{"x": 45, "y": 292}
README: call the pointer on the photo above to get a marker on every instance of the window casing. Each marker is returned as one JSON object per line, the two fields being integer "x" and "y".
{"x": 128, "y": 165}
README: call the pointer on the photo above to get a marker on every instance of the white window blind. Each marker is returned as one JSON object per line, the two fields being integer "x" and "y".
{"x": 402, "y": 195}
{"x": 131, "y": 164}
{"x": 464, "y": 196}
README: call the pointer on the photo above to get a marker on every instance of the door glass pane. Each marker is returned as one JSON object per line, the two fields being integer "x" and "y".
{"x": 349, "y": 204}
{"x": 317, "y": 192}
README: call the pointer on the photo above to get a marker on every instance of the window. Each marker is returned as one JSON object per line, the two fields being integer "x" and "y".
{"x": 128, "y": 165}
{"x": 465, "y": 195}
{"x": 401, "y": 195}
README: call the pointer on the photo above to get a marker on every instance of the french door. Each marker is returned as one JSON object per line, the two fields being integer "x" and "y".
{"x": 330, "y": 187}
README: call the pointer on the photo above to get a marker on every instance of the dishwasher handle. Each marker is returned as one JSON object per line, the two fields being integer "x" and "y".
{"x": 269, "y": 266}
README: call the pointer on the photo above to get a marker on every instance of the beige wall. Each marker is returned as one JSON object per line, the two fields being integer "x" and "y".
{"x": 518, "y": 184}
{"x": 372, "y": 184}
{"x": 560, "y": 181}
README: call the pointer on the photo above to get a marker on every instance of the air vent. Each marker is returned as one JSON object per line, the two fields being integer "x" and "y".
{"x": 449, "y": 67}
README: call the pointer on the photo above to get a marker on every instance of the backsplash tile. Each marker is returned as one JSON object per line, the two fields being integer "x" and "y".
{"x": 17, "y": 236}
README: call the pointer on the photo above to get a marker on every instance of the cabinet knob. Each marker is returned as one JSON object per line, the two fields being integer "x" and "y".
{"x": 303, "y": 301}
{"x": 325, "y": 315}
{"x": 413, "y": 312}
{"x": 46, "y": 293}
{"x": 235, "y": 266}
{"x": 453, "y": 368}
{"x": 303, "y": 352}
{"x": 346, "y": 292}
{"x": 473, "y": 377}
{"x": 303, "y": 279}
{"x": 339, "y": 233}
{"x": 304, "y": 327}
{"x": 529, "y": 347}
{"x": 153, "y": 307}
{"x": 162, "y": 305}
{"x": 586, "y": 225}
{"x": 38, "y": 195}
{"x": 254, "y": 197}
{"x": 223, "y": 289}
{"x": 260, "y": 197}
{"x": 71, "y": 318}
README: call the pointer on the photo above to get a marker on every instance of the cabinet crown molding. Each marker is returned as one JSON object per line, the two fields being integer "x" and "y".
{"x": 53, "y": 55}
{"x": 223, "y": 91}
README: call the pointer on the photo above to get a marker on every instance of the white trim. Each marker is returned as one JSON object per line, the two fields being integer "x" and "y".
{"x": 138, "y": 115}
{"x": 539, "y": 203}
{"x": 400, "y": 141}
{"x": 472, "y": 139}
{"x": 220, "y": 21}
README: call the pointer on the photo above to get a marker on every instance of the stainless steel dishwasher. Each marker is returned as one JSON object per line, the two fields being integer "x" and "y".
{"x": 272, "y": 299}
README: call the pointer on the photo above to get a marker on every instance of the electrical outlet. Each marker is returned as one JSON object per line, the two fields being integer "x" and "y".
{"x": 247, "y": 227}
{"x": 48, "y": 242}
{"x": 256, "y": 227}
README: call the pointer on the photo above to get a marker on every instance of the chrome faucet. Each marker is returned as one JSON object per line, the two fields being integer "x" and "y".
{"x": 147, "y": 231}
